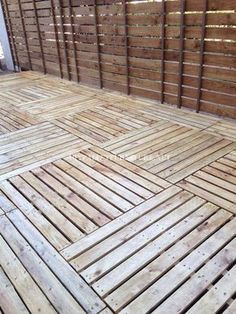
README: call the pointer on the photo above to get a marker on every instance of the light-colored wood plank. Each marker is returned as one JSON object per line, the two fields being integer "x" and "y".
{"x": 178, "y": 274}
{"x": 226, "y": 129}
{"x": 74, "y": 284}
{"x": 199, "y": 282}
{"x": 95, "y": 215}
{"x": 25, "y": 149}
{"x": 102, "y": 122}
{"x": 88, "y": 242}
{"x": 9, "y": 299}
{"x": 21, "y": 279}
{"x": 133, "y": 245}
{"x": 218, "y": 295}
{"x": 215, "y": 182}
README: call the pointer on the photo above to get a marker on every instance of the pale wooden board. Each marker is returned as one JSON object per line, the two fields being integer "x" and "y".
{"x": 16, "y": 80}
{"x": 76, "y": 195}
{"x": 232, "y": 308}
{"x": 96, "y": 237}
{"x": 164, "y": 274}
{"x": 219, "y": 294}
{"x": 215, "y": 182}
{"x": 169, "y": 150}
{"x": 138, "y": 243}
{"x": 103, "y": 122}
{"x": 73, "y": 194}
{"x": 226, "y": 129}
{"x": 65, "y": 289}
{"x": 171, "y": 113}
{"x": 13, "y": 119}
{"x": 28, "y": 93}
{"x": 58, "y": 106}
{"x": 10, "y": 300}
{"x": 33, "y": 146}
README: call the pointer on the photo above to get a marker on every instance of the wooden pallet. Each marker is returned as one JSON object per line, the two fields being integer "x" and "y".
{"x": 39, "y": 274}
{"x": 72, "y": 197}
{"x": 226, "y": 129}
{"x": 103, "y": 122}
{"x": 170, "y": 113}
{"x": 216, "y": 182}
{"x": 28, "y": 94}
{"x": 58, "y": 106}
{"x": 12, "y": 119}
{"x": 30, "y": 147}
{"x": 113, "y": 205}
{"x": 170, "y": 150}
{"x": 165, "y": 243}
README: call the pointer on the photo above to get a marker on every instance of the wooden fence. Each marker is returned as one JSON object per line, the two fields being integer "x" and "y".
{"x": 181, "y": 52}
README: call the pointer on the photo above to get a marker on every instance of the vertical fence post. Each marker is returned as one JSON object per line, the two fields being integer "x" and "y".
{"x": 25, "y": 34}
{"x": 39, "y": 36}
{"x": 126, "y": 46}
{"x": 163, "y": 13}
{"x": 64, "y": 39}
{"x": 201, "y": 61}
{"x": 56, "y": 37}
{"x": 181, "y": 53}
{"x": 73, "y": 40}
{"x": 98, "y": 43}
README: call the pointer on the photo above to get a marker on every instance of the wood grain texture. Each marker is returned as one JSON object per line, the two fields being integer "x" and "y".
{"x": 112, "y": 204}
{"x": 189, "y": 61}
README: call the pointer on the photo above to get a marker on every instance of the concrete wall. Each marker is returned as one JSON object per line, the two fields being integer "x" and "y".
{"x": 5, "y": 42}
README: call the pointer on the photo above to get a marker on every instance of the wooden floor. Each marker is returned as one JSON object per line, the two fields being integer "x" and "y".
{"x": 111, "y": 204}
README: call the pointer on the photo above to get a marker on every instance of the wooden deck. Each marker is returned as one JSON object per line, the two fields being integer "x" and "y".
{"x": 111, "y": 204}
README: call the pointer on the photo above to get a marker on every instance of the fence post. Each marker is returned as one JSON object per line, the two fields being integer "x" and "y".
{"x": 163, "y": 19}
{"x": 39, "y": 36}
{"x": 64, "y": 39}
{"x": 181, "y": 53}
{"x": 201, "y": 60}
{"x": 126, "y": 46}
{"x": 25, "y": 34}
{"x": 71, "y": 16}
{"x": 56, "y": 38}
{"x": 98, "y": 43}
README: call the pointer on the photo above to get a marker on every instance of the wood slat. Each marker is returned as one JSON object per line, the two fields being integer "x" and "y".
{"x": 162, "y": 275}
{"x": 215, "y": 182}
{"x": 102, "y": 122}
{"x": 33, "y": 146}
{"x": 109, "y": 203}
{"x": 12, "y": 119}
{"x": 68, "y": 289}
{"x": 111, "y": 44}
{"x": 172, "y": 152}
{"x": 224, "y": 129}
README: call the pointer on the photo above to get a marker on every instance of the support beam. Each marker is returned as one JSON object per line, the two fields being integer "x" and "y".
{"x": 25, "y": 34}
{"x": 201, "y": 57}
{"x": 61, "y": 13}
{"x": 39, "y": 36}
{"x": 181, "y": 53}
{"x": 163, "y": 20}
{"x": 98, "y": 44}
{"x": 71, "y": 16}
{"x": 126, "y": 46}
{"x": 56, "y": 37}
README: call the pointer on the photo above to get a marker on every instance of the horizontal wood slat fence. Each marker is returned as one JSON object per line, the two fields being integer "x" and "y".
{"x": 181, "y": 52}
